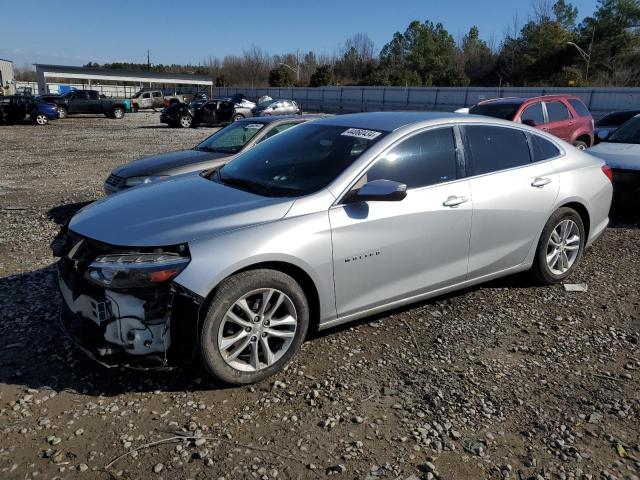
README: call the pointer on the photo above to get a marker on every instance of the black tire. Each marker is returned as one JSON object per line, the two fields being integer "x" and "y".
{"x": 117, "y": 113}
{"x": 227, "y": 293}
{"x": 237, "y": 117}
{"x": 540, "y": 269}
{"x": 580, "y": 145}
{"x": 135, "y": 109}
{"x": 185, "y": 121}
{"x": 62, "y": 112}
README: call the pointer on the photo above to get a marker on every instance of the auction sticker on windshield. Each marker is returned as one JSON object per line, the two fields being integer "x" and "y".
{"x": 254, "y": 125}
{"x": 361, "y": 133}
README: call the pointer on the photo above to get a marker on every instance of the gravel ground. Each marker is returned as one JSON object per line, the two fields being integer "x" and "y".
{"x": 508, "y": 380}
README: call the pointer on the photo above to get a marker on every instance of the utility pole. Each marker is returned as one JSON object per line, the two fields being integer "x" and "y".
{"x": 148, "y": 60}
{"x": 295, "y": 70}
{"x": 585, "y": 56}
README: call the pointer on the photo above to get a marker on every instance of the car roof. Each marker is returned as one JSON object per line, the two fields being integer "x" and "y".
{"x": 520, "y": 100}
{"x": 387, "y": 121}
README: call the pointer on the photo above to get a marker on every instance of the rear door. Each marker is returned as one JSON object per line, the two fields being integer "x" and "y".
{"x": 146, "y": 100}
{"x": 387, "y": 251}
{"x": 156, "y": 99}
{"x": 559, "y": 120}
{"x": 512, "y": 195}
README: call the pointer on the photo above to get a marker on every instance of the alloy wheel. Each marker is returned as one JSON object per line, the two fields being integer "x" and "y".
{"x": 257, "y": 330}
{"x": 41, "y": 119}
{"x": 185, "y": 121}
{"x": 563, "y": 247}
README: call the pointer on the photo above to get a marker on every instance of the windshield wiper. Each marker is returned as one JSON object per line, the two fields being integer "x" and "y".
{"x": 215, "y": 150}
{"x": 248, "y": 185}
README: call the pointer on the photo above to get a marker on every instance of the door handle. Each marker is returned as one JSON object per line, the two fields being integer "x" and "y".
{"x": 540, "y": 182}
{"x": 454, "y": 201}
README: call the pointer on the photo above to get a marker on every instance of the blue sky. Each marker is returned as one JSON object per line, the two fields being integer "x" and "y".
{"x": 75, "y": 32}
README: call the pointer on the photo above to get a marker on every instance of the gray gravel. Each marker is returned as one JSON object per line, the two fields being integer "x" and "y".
{"x": 508, "y": 380}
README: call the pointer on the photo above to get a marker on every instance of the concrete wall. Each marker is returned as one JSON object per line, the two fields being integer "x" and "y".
{"x": 363, "y": 99}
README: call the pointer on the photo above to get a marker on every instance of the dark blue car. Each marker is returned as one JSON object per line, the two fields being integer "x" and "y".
{"x": 16, "y": 108}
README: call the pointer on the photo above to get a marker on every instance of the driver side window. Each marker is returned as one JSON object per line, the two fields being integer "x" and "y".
{"x": 428, "y": 158}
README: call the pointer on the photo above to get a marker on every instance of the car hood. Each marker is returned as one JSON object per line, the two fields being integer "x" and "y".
{"x": 182, "y": 209}
{"x": 164, "y": 163}
{"x": 618, "y": 155}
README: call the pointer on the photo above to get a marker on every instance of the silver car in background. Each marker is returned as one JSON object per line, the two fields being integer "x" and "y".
{"x": 325, "y": 223}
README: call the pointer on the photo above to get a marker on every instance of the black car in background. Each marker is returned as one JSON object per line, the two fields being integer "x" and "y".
{"x": 86, "y": 101}
{"x": 611, "y": 122}
{"x": 210, "y": 112}
{"x": 17, "y": 108}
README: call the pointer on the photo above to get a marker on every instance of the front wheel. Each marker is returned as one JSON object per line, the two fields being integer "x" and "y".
{"x": 41, "y": 119}
{"x": 237, "y": 117}
{"x": 62, "y": 112}
{"x": 560, "y": 246}
{"x": 256, "y": 323}
{"x": 185, "y": 121}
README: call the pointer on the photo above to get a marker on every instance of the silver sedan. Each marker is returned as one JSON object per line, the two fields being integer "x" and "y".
{"x": 325, "y": 223}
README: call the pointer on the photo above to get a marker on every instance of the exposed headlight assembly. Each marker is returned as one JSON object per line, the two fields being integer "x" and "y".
{"x": 134, "y": 181}
{"x": 135, "y": 270}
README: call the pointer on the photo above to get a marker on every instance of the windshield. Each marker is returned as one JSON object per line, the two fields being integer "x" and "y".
{"x": 232, "y": 138}
{"x": 137, "y": 94}
{"x": 266, "y": 103}
{"x": 299, "y": 161}
{"x": 505, "y": 111}
{"x": 616, "y": 119}
{"x": 628, "y": 133}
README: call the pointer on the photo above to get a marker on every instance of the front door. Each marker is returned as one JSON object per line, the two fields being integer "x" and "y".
{"x": 387, "y": 251}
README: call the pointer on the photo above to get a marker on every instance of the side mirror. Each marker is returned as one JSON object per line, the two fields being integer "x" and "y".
{"x": 602, "y": 134}
{"x": 380, "y": 191}
{"x": 529, "y": 122}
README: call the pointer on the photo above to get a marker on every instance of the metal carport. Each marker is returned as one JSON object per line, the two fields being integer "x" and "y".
{"x": 140, "y": 77}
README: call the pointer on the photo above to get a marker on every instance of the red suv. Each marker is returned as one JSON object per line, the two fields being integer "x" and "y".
{"x": 561, "y": 115}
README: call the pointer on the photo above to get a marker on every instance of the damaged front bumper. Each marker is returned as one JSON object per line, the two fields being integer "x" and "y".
{"x": 145, "y": 328}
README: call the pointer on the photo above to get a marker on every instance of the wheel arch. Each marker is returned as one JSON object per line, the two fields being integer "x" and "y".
{"x": 294, "y": 271}
{"x": 581, "y": 209}
{"x": 584, "y": 137}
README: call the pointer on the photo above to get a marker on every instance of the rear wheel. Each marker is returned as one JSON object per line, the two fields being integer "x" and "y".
{"x": 237, "y": 117}
{"x": 185, "y": 121}
{"x": 62, "y": 112}
{"x": 257, "y": 321}
{"x": 118, "y": 113}
{"x": 41, "y": 119}
{"x": 560, "y": 246}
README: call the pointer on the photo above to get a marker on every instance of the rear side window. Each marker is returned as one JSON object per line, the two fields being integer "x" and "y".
{"x": 493, "y": 148}
{"x": 580, "y": 108}
{"x": 557, "y": 111}
{"x": 543, "y": 149}
{"x": 156, "y": 94}
{"x": 533, "y": 114}
{"x": 425, "y": 159}
{"x": 93, "y": 95}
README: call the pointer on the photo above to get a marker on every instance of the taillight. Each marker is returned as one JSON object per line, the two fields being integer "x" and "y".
{"x": 606, "y": 169}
